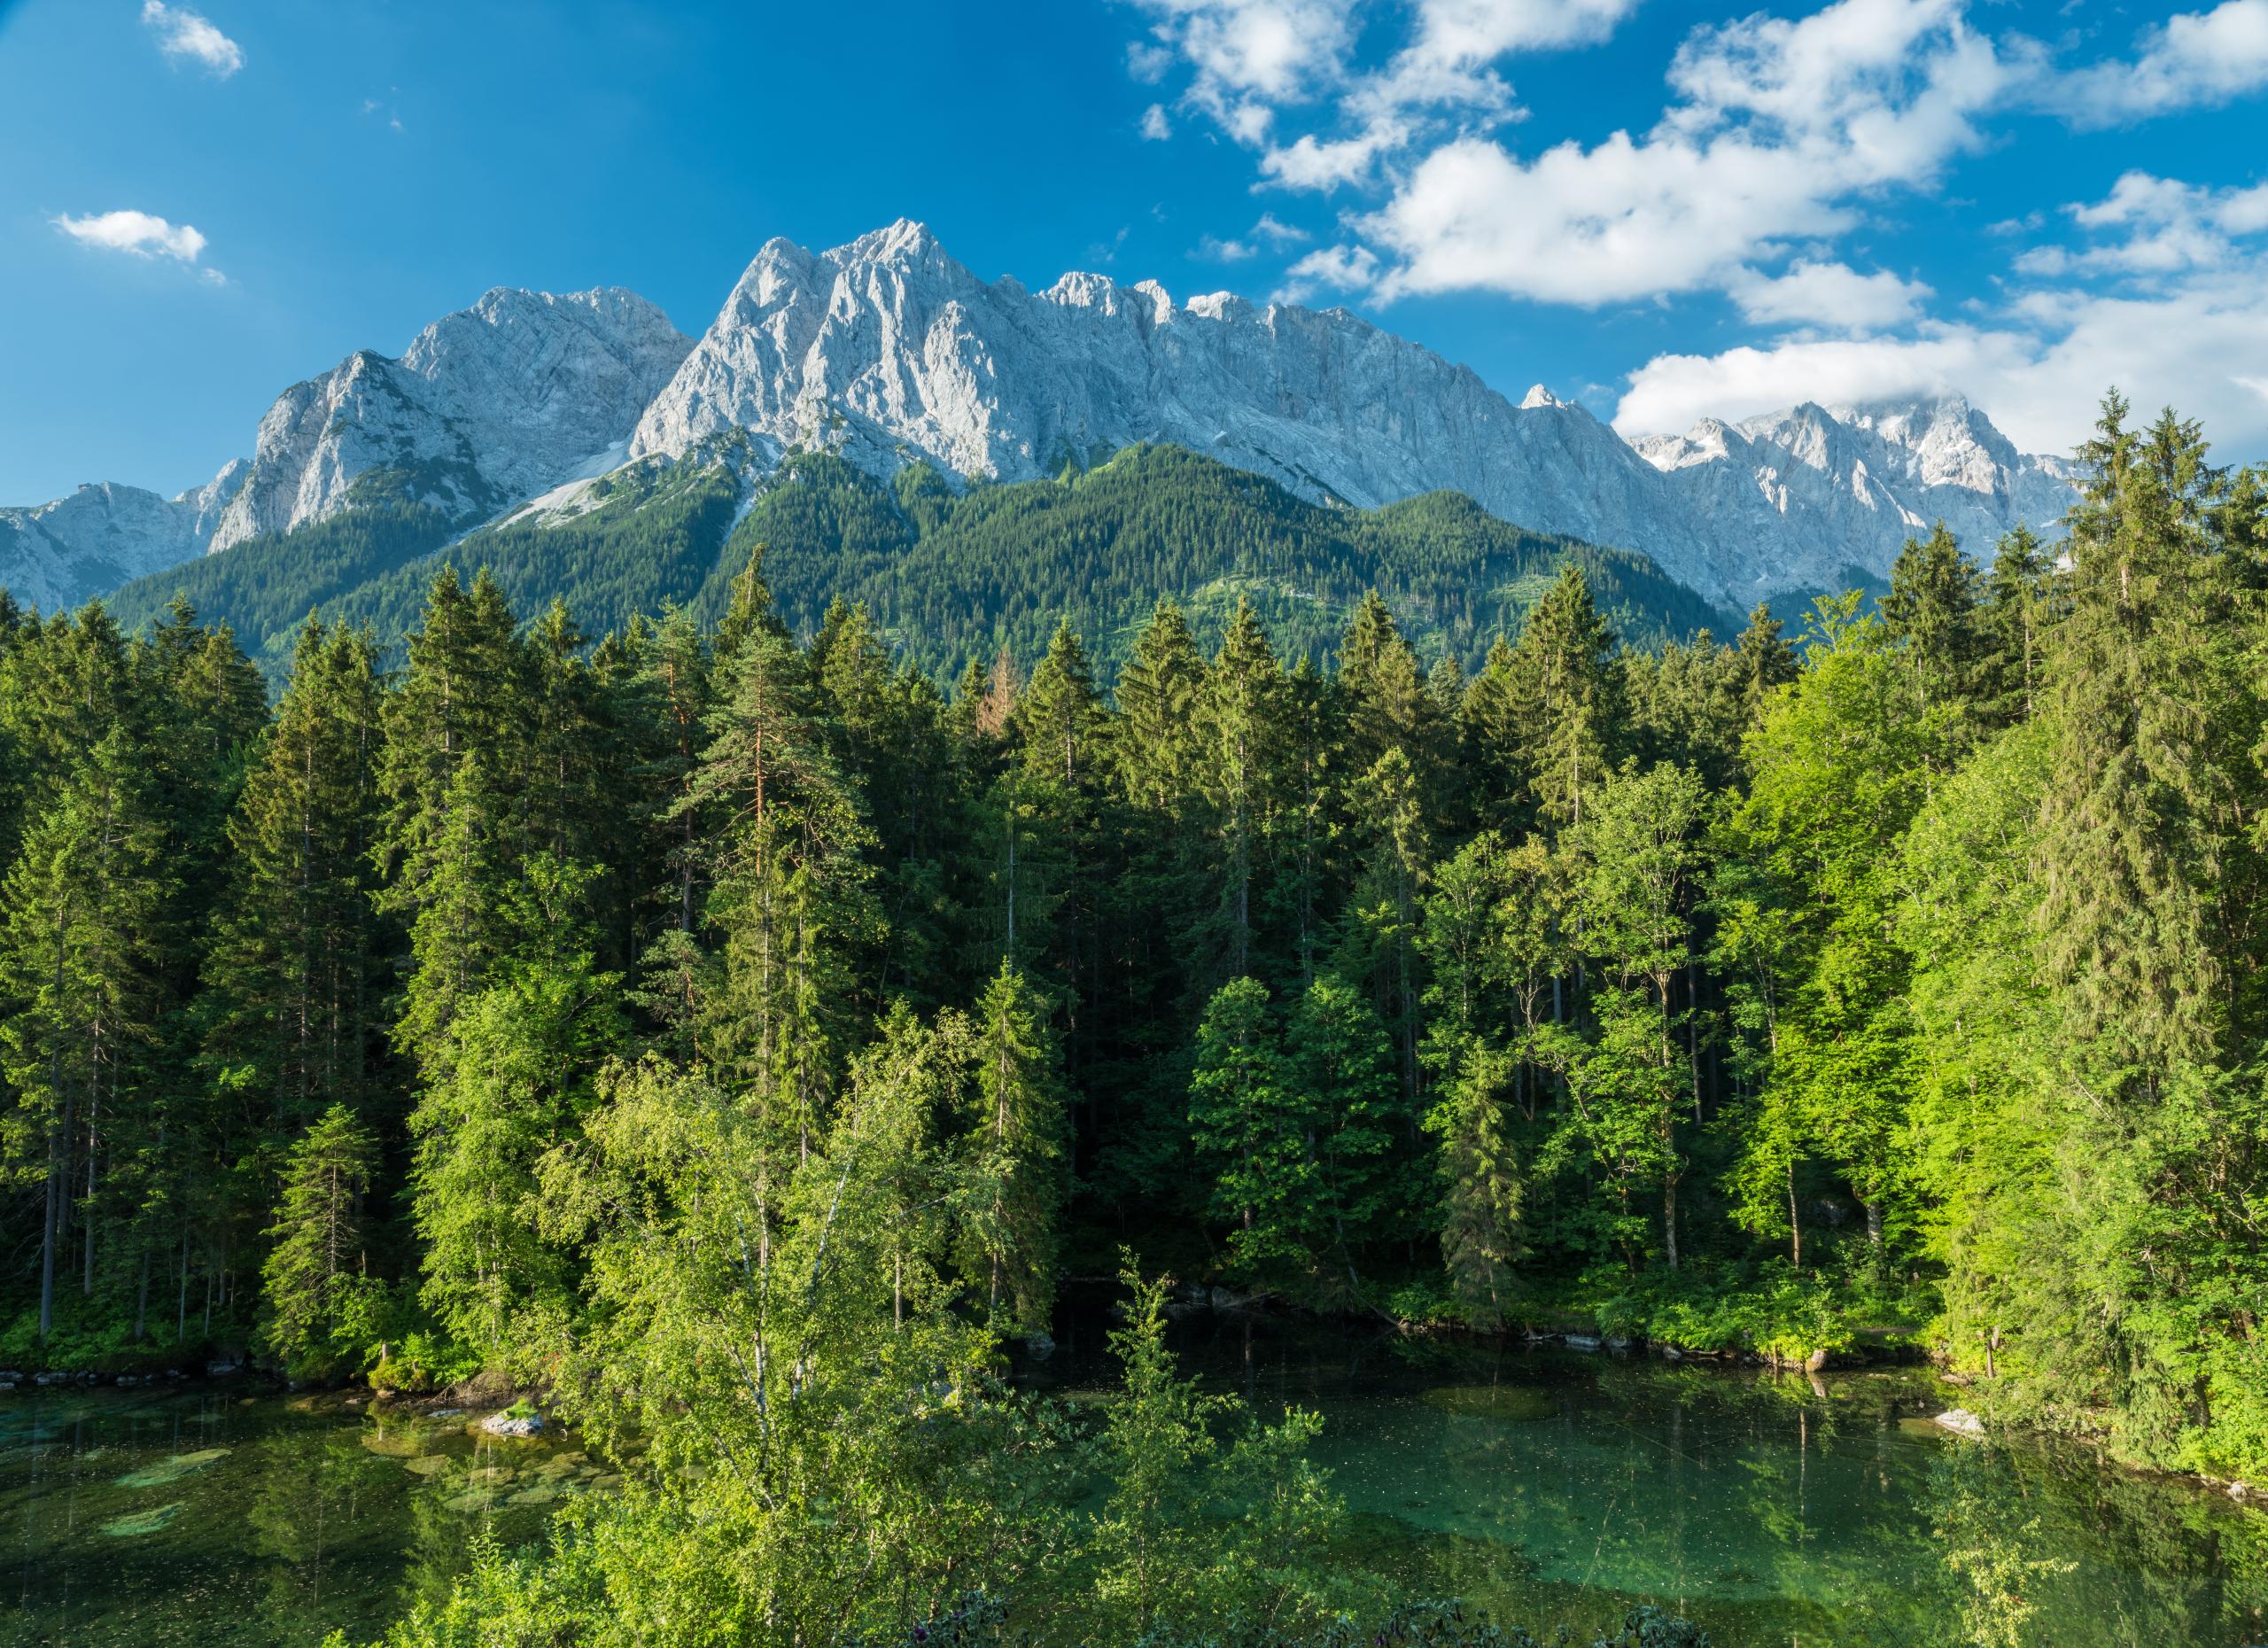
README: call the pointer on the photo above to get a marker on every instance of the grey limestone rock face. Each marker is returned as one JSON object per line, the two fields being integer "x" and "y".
{"x": 888, "y": 352}
{"x": 485, "y": 407}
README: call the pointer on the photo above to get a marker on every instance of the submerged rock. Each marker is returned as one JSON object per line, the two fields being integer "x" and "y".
{"x": 171, "y": 1469}
{"x": 1960, "y": 1421}
{"x": 141, "y": 1521}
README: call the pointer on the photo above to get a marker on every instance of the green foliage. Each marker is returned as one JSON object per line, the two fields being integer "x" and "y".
{"x": 737, "y": 1034}
{"x": 315, "y": 1282}
{"x": 947, "y": 576}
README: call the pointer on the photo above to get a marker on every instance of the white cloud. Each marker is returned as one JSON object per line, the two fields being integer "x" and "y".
{"x": 1333, "y": 268}
{"x": 1782, "y": 127}
{"x": 141, "y": 235}
{"x": 1249, "y": 56}
{"x": 1828, "y": 294}
{"x": 2039, "y": 373}
{"x": 1323, "y": 166}
{"x": 1449, "y": 61}
{"x": 1280, "y": 234}
{"x": 1219, "y": 251}
{"x": 2162, "y": 227}
{"x": 1147, "y": 61}
{"x": 1155, "y": 128}
{"x": 2195, "y": 59}
{"x": 184, "y": 34}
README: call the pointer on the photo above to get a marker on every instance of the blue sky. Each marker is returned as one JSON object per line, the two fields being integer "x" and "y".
{"x": 1662, "y": 207}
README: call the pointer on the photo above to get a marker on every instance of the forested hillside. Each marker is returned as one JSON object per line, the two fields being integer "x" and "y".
{"x": 651, "y": 1018}
{"x": 946, "y": 576}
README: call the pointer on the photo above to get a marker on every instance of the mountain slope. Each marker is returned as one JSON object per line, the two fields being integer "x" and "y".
{"x": 486, "y": 406}
{"x": 60, "y": 553}
{"x": 887, "y": 352}
{"x": 889, "y": 355}
{"x": 950, "y": 575}
{"x": 1836, "y": 483}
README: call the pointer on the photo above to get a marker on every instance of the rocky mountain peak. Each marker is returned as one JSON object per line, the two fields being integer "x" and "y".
{"x": 888, "y": 352}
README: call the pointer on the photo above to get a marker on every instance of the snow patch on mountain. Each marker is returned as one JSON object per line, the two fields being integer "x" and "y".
{"x": 888, "y": 352}
{"x": 486, "y": 407}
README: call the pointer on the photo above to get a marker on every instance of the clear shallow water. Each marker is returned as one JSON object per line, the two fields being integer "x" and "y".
{"x": 1558, "y": 1488}
{"x": 1544, "y": 1488}
{"x": 210, "y": 1516}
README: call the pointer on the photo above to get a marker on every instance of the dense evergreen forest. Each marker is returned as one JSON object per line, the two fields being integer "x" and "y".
{"x": 945, "y": 575}
{"x": 729, "y": 1031}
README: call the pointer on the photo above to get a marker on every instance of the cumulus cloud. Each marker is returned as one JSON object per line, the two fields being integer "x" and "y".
{"x": 2039, "y": 372}
{"x": 182, "y": 34}
{"x": 141, "y": 235}
{"x": 1280, "y": 234}
{"x": 1781, "y": 126}
{"x": 1329, "y": 268}
{"x": 1828, "y": 294}
{"x": 1249, "y": 57}
{"x": 2195, "y": 59}
{"x": 2154, "y": 227}
{"x": 1155, "y": 128}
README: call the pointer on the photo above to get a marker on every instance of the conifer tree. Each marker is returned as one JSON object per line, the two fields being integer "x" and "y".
{"x": 1767, "y": 660}
{"x": 789, "y": 895}
{"x": 292, "y": 980}
{"x": 1017, "y": 1190}
{"x": 450, "y": 835}
{"x": 2020, "y": 609}
{"x": 316, "y": 1273}
{"x": 1157, "y": 700}
{"x": 1242, "y": 714}
{"x": 1250, "y": 1127}
{"x": 78, "y": 968}
{"x": 1566, "y": 687}
{"x": 1932, "y": 611}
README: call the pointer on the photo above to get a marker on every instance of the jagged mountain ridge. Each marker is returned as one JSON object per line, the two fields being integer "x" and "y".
{"x": 886, "y": 352}
{"x": 1870, "y": 475}
{"x": 105, "y": 535}
{"x": 486, "y": 406}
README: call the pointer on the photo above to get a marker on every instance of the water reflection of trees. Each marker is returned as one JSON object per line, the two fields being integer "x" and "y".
{"x": 311, "y": 1516}
{"x": 2040, "y": 1545}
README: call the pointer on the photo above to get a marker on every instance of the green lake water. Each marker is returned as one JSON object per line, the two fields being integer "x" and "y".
{"x": 1547, "y": 1487}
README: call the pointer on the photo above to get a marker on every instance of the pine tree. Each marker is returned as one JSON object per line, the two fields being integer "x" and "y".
{"x": 1250, "y": 1126}
{"x": 1157, "y": 698}
{"x": 296, "y": 962}
{"x": 1932, "y": 611}
{"x": 1242, "y": 712}
{"x": 451, "y": 836}
{"x": 789, "y": 895}
{"x": 1017, "y": 1190}
{"x": 1565, "y": 684}
{"x": 1767, "y": 660}
{"x": 78, "y": 970}
{"x": 2019, "y": 611}
{"x": 316, "y": 1273}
